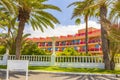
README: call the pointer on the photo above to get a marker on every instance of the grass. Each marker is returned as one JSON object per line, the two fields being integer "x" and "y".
{"x": 84, "y": 70}
{"x": 59, "y": 69}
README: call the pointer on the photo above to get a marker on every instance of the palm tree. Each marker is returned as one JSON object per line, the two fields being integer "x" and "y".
{"x": 114, "y": 36}
{"x": 114, "y": 44}
{"x": 32, "y": 12}
{"x": 7, "y": 19}
{"x": 81, "y": 9}
{"x": 107, "y": 28}
{"x": 7, "y": 23}
{"x": 9, "y": 42}
{"x": 102, "y": 6}
{"x": 114, "y": 49}
{"x": 104, "y": 34}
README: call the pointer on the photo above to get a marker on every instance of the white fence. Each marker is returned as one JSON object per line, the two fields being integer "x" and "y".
{"x": 64, "y": 61}
{"x": 80, "y": 61}
{"x": 35, "y": 60}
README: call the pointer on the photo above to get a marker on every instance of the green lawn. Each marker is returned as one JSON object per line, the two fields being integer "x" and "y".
{"x": 84, "y": 70}
{"x": 59, "y": 69}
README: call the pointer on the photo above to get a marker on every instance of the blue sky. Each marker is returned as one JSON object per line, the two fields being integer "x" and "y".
{"x": 65, "y": 16}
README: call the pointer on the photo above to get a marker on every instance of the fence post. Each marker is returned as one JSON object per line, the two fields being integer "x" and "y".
{"x": 53, "y": 53}
{"x": 5, "y": 57}
{"x": 53, "y": 60}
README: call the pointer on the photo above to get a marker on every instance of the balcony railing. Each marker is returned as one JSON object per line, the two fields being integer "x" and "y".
{"x": 71, "y": 43}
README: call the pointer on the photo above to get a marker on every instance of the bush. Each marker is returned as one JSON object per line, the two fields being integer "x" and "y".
{"x": 31, "y": 48}
{"x": 2, "y": 50}
{"x": 117, "y": 55}
{"x": 68, "y": 52}
{"x": 72, "y": 52}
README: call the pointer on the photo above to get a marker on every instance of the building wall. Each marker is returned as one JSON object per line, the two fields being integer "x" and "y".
{"x": 77, "y": 41}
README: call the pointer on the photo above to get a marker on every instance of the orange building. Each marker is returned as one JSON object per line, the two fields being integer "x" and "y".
{"x": 77, "y": 41}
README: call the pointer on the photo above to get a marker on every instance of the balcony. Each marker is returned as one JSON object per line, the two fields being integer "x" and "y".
{"x": 91, "y": 50}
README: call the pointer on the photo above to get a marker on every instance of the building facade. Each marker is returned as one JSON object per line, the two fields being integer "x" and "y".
{"x": 77, "y": 41}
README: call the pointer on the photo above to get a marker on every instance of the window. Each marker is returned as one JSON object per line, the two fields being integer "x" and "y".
{"x": 49, "y": 49}
{"x": 75, "y": 48}
{"x": 97, "y": 46}
{"x": 84, "y": 47}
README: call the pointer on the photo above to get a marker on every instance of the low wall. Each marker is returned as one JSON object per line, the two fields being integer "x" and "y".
{"x": 35, "y": 63}
{"x": 81, "y": 65}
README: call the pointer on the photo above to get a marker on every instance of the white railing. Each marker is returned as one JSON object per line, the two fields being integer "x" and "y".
{"x": 41, "y": 58}
{"x": 12, "y": 57}
{"x": 1, "y": 57}
{"x": 64, "y": 61}
{"x": 80, "y": 59}
{"x": 35, "y": 60}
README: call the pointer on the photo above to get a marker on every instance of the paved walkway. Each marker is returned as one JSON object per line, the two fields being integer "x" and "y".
{"x": 37, "y": 75}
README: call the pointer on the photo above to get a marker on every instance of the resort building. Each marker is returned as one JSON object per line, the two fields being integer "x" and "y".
{"x": 77, "y": 41}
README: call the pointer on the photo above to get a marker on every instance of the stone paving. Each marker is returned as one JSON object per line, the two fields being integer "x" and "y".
{"x": 37, "y": 75}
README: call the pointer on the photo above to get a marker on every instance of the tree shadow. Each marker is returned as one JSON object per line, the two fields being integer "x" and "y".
{"x": 86, "y": 77}
{"x": 59, "y": 76}
{"x": 16, "y": 74}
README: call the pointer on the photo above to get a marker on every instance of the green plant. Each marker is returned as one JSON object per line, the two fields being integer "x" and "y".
{"x": 2, "y": 50}
{"x": 69, "y": 51}
{"x": 31, "y": 48}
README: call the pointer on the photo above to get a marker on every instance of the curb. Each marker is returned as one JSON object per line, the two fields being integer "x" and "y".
{"x": 76, "y": 73}
{"x": 72, "y": 73}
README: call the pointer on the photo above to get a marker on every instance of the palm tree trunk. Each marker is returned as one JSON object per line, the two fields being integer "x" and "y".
{"x": 113, "y": 51}
{"x": 86, "y": 35}
{"x": 112, "y": 63}
{"x": 19, "y": 38}
{"x": 105, "y": 47}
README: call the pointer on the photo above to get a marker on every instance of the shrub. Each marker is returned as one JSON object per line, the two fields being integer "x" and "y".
{"x": 31, "y": 48}
{"x": 2, "y": 50}
{"x": 68, "y": 52}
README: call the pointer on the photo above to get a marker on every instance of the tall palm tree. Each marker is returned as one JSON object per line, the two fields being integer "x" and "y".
{"x": 81, "y": 9}
{"x": 104, "y": 34}
{"x": 34, "y": 13}
{"x": 102, "y": 5}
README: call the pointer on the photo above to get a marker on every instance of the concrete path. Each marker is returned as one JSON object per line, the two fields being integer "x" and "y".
{"x": 37, "y": 75}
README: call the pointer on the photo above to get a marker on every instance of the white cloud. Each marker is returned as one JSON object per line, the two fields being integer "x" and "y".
{"x": 60, "y": 30}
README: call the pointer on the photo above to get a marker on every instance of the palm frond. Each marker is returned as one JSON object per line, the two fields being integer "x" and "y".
{"x": 8, "y": 6}
{"x": 74, "y": 4}
{"x": 115, "y": 12}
